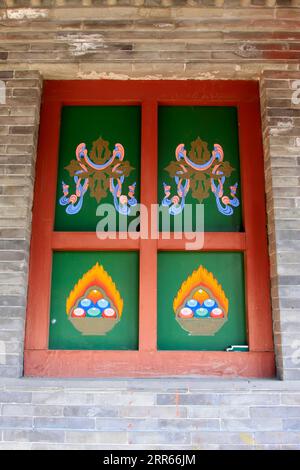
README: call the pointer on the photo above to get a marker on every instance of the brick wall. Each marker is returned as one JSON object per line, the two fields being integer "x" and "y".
{"x": 150, "y": 38}
{"x": 281, "y": 132}
{"x": 19, "y": 118}
{"x": 150, "y": 414}
{"x": 154, "y": 40}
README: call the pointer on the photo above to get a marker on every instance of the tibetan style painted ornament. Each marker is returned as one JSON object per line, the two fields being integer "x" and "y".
{"x": 99, "y": 172}
{"x": 199, "y": 172}
{"x": 94, "y": 306}
{"x": 201, "y": 306}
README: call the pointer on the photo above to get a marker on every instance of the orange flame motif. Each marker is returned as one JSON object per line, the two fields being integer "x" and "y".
{"x": 201, "y": 278}
{"x": 96, "y": 278}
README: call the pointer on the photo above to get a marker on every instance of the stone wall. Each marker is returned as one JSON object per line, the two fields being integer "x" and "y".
{"x": 281, "y": 132}
{"x": 182, "y": 414}
{"x": 150, "y": 38}
{"x": 45, "y": 39}
{"x": 19, "y": 119}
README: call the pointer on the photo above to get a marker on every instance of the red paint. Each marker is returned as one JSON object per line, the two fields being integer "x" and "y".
{"x": 212, "y": 241}
{"x": 148, "y": 364}
{"x": 259, "y": 319}
{"x": 148, "y": 248}
{"x": 259, "y": 362}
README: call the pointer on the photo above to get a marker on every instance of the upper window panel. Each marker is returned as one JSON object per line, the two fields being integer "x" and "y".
{"x": 198, "y": 158}
{"x": 99, "y": 160}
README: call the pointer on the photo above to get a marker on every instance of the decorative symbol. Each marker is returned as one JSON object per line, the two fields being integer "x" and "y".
{"x": 200, "y": 171}
{"x": 99, "y": 172}
{"x": 201, "y": 306}
{"x": 94, "y": 306}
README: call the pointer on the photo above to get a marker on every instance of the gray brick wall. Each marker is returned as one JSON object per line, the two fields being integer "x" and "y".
{"x": 149, "y": 414}
{"x": 151, "y": 40}
{"x": 281, "y": 131}
{"x": 19, "y": 118}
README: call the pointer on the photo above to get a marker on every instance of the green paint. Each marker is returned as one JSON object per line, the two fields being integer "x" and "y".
{"x": 115, "y": 124}
{"x": 218, "y": 124}
{"x": 68, "y": 268}
{"x": 173, "y": 269}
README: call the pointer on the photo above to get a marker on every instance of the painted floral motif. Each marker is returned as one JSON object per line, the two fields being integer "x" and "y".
{"x": 201, "y": 306}
{"x": 94, "y": 306}
{"x": 99, "y": 172}
{"x": 200, "y": 172}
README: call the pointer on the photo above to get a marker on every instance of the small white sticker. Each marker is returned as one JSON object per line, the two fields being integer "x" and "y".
{"x": 296, "y": 353}
{"x": 2, "y": 353}
{"x": 2, "y": 92}
{"x": 296, "y": 93}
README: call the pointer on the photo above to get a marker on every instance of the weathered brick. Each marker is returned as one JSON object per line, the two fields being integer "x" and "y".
{"x": 64, "y": 423}
{"x": 159, "y": 437}
{"x": 200, "y": 439}
{"x": 97, "y": 437}
{"x": 154, "y": 411}
{"x": 253, "y": 424}
{"x": 271, "y": 437}
{"x": 47, "y": 410}
{"x": 33, "y": 436}
{"x": 90, "y": 411}
{"x": 46, "y": 397}
{"x": 17, "y": 410}
{"x": 15, "y": 397}
{"x": 7, "y": 422}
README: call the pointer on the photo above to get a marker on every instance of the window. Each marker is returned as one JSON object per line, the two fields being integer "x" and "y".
{"x": 149, "y": 305}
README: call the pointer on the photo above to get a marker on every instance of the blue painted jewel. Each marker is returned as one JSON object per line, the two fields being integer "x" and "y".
{"x": 85, "y": 303}
{"x": 201, "y": 313}
{"x": 210, "y": 304}
{"x": 193, "y": 304}
{"x": 94, "y": 312}
{"x": 103, "y": 303}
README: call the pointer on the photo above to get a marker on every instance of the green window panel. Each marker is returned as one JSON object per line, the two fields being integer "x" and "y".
{"x": 210, "y": 172}
{"x": 84, "y": 182}
{"x": 221, "y": 280}
{"x": 94, "y": 301}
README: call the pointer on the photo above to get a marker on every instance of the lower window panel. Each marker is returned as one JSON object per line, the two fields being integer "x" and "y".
{"x": 94, "y": 301}
{"x": 201, "y": 301}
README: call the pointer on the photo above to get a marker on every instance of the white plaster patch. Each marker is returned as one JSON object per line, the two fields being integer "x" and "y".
{"x": 207, "y": 75}
{"x": 2, "y": 92}
{"x": 81, "y": 44}
{"x": 296, "y": 93}
{"x": 282, "y": 127}
{"x": 82, "y": 48}
{"x": 93, "y": 75}
{"x": 102, "y": 75}
{"x": 2, "y": 353}
{"x": 164, "y": 25}
{"x": 27, "y": 13}
{"x": 81, "y": 37}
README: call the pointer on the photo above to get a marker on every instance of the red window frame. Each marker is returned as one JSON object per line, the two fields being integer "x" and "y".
{"x": 147, "y": 360}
